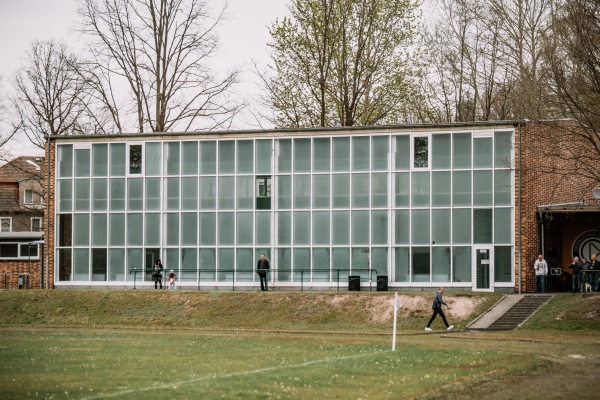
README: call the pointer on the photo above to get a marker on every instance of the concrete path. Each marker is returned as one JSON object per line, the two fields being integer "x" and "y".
{"x": 487, "y": 319}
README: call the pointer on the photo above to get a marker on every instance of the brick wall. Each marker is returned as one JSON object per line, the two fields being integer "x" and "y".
{"x": 10, "y": 271}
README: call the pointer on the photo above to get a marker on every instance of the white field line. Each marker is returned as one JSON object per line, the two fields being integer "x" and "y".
{"x": 229, "y": 375}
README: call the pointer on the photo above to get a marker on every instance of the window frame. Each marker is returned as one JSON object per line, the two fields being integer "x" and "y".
{"x": 41, "y": 224}
{"x": 412, "y": 152}
{"x": 2, "y": 219}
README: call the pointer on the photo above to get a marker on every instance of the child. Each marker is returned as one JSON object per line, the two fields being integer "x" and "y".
{"x": 171, "y": 280}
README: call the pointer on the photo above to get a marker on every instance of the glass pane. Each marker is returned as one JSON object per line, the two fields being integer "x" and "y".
{"x": 360, "y": 222}
{"x": 152, "y": 194}
{"x": 283, "y": 225}
{"x": 117, "y": 159}
{"x": 440, "y": 187}
{"x": 65, "y": 161}
{"x": 172, "y": 193}
{"x": 482, "y": 153}
{"x": 245, "y": 154}
{"x": 263, "y": 156}
{"x": 208, "y": 262}
{"x": 321, "y": 227}
{"x": 441, "y": 264}
{"x": 360, "y": 262}
{"x": 116, "y": 230}
{"x": 401, "y": 264}
{"x": 189, "y": 229}
{"x": 381, "y": 153}
{"x": 134, "y": 229}
{"x": 321, "y": 157}
{"x": 99, "y": 264}
{"x": 302, "y": 261}
{"x": 245, "y": 228}
{"x": 420, "y": 227}
{"x": 226, "y": 265}
{"x": 401, "y": 190}
{"x": 379, "y": 227}
{"x": 461, "y": 156}
{"x": 341, "y": 154}
{"x": 82, "y": 194}
{"x": 340, "y": 227}
{"x": 117, "y": 194}
{"x": 208, "y": 158}
{"x": 440, "y": 152}
{"x": 284, "y": 191}
{"x": 208, "y": 229}
{"x": 284, "y": 265}
{"x": 482, "y": 188}
{"x": 227, "y": 157}
{"x": 341, "y": 191}
{"x": 402, "y": 226}
{"x": 421, "y": 152}
{"x": 99, "y": 229}
{"x": 81, "y": 229}
{"x": 100, "y": 194}
{"x": 189, "y": 262}
{"x": 321, "y": 266}
{"x": 502, "y": 225}
{"x": 135, "y": 159}
{"x": 152, "y": 229}
{"x": 172, "y": 158}
{"x": 440, "y": 226}
{"x": 172, "y": 229}
{"x": 226, "y": 228}
{"x": 379, "y": 260}
{"x": 263, "y": 192}
{"x": 245, "y": 265}
{"x": 421, "y": 264}
{"x": 402, "y": 156}
{"x": 420, "y": 189}
{"x": 302, "y": 191}
{"x": 503, "y": 149}
{"x": 301, "y": 228}
{"x": 135, "y": 258}
{"x": 189, "y": 193}
{"x": 153, "y": 158}
{"x": 116, "y": 264}
{"x": 226, "y": 191}
{"x": 360, "y": 190}
{"x": 461, "y": 193}
{"x": 321, "y": 191}
{"x": 360, "y": 154}
{"x": 82, "y": 162}
{"x": 100, "y": 159}
{"x": 189, "y": 153}
{"x": 461, "y": 262}
{"x": 134, "y": 194}
{"x": 502, "y": 187}
{"x": 302, "y": 155}
{"x": 482, "y": 225}
{"x": 81, "y": 264}
{"x": 245, "y": 192}
{"x": 461, "y": 226}
{"x": 283, "y": 148}
{"x": 503, "y": 263}
{"x": 208, "y": 193}
{"x": 340, "y": 259}
{"x": 263, "y": 228}
{"x": 65, "y": 195}
{"x": 379, "y": 190}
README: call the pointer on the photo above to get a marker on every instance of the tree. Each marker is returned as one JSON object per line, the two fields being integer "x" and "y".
{"x": 160, "y": 50}
{"x": 6, "y": 131}
{"x": 342, "y": 63}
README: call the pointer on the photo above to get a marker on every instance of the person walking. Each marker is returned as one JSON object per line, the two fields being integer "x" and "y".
{"x": 575, "y": 269}
{"x": 157, "y": 274}
{"x": 541, "y": 271}
{"x": 262, "y": 267}
{"x": 437, "y": 309}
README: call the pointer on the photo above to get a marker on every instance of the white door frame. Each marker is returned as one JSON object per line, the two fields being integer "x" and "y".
{"x": 490, "y": 271}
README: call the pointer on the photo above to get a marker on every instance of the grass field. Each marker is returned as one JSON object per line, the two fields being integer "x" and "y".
{"x": 91, "y": 356}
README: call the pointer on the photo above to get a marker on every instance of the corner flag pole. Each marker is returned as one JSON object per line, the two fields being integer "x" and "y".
{"x": 396, "y": 307}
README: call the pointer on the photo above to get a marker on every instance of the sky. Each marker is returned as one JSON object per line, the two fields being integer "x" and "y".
{"x": 244, "y": 36}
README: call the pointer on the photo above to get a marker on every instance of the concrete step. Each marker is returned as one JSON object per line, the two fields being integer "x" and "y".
{"x": 518, "y": 313}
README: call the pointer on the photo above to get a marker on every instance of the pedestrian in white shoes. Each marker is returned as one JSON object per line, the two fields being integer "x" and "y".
{"x": 437, "y": 309}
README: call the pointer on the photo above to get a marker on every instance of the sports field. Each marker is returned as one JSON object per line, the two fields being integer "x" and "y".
{"x": 161, "y": 361}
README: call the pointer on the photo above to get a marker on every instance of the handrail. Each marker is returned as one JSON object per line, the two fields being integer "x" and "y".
{"x": 199, "y": 272}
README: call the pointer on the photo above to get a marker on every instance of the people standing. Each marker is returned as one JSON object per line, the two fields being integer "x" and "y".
{"x": 595, "y": 273}
{"x": 437, "y": 309}
{"x": 575, "y": 269}
{"x": 541, "y": 271}
{"x": 172, "y": 279}
{"x": 157, "y": 274}
{"x": 585, "y": 266}
{"x": 262, "y": 268}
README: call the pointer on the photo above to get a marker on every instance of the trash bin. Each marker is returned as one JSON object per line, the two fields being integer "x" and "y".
{"x": 354, "y": 282}
{"x": 382, "y": 283}
{"x": 20, "y": 281}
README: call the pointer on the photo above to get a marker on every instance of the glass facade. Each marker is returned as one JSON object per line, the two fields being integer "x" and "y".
{"x": 406, "y": 205}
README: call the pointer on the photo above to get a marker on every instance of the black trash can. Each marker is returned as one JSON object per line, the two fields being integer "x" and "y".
{"x": 354, "y": 282}
{"x": 382, "y": 283}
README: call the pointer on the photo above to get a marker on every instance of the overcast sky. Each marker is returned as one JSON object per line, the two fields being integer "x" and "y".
{"x": 243, "y": 37}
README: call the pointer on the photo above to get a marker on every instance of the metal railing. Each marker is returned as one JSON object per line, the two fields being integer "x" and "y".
{"x": 23, "y": 280}
{"x": 272, "y": 280}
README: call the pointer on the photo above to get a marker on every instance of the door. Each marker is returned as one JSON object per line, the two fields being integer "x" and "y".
{"x": 151, "y": 256}
{"x": 483, "y": 268}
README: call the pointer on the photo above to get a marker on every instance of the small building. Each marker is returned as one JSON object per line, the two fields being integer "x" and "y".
{"x": 421, "y": 205}
{"x": 21, "y": 221}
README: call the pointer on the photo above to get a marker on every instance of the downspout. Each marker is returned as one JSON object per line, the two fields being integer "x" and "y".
{"x": 519, "y": 209}
{"x": 47, "y": 233}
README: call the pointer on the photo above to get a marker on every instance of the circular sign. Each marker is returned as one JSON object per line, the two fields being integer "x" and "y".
{"x": 586, "y": 245}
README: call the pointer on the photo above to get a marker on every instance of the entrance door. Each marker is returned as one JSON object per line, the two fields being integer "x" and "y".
{"x": 151, "y": 256}
{"x": 483, "y": 268}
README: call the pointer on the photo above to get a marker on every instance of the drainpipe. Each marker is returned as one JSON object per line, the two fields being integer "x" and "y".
{"x": 519, "y": 208}
{"x": 47, "y": 233}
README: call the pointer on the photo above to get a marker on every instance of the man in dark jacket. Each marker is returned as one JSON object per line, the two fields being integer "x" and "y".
{"x": 575, "y": 269}
{"x": 437, "y": 309}
{"x": 595, "y": 273}
{"x": 261, "y": 270}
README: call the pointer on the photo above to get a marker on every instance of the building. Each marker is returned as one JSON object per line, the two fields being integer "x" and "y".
{"x": 423, "y": 205}
{"x": 21, "y": 221}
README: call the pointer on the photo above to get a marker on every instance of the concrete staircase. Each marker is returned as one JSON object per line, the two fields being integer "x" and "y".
{"x": 510, "y": 312}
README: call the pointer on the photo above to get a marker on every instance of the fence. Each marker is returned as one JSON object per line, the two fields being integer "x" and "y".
{"x": 17, "y": 280}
